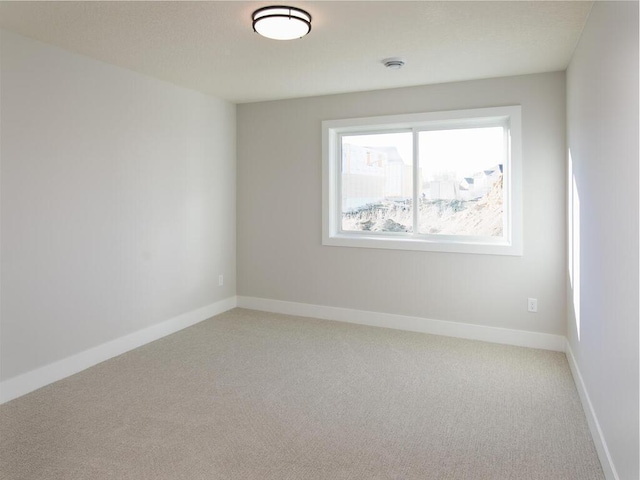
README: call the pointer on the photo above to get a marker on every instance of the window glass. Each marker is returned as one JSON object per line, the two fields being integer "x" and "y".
{"x": 377, "y": 182}
{"x": 461, "y": 182}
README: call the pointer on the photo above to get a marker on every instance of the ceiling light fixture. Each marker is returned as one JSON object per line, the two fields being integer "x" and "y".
{"x": 281, "y": 23}
{"x": 394, "y": 63}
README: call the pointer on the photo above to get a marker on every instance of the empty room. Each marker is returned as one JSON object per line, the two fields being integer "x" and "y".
{"x": 359, "y": 240}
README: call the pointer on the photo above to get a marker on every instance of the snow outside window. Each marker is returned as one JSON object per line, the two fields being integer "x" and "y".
{"x": 442, "y": 181}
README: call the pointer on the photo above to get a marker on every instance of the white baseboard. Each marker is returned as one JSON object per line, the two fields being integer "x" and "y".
{"x": 40, "y": 377}
{"x": 596, "y": 432}
{"x": 414, "y": 324}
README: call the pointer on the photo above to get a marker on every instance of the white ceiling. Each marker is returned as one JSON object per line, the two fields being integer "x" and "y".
{"x": 211, "y": 47}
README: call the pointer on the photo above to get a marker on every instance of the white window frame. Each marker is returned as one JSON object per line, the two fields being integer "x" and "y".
{"x": 509, "y": 244}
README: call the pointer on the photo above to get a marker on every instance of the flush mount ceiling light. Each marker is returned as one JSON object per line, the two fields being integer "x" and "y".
{"x": 281, "y": 23}
{"x": 394, "y": 63}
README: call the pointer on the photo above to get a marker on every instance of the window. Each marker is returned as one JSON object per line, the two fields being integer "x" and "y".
{"x": 442, "y": 181}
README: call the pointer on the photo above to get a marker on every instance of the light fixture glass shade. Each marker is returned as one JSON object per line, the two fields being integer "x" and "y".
{"x": 281, "y": 23}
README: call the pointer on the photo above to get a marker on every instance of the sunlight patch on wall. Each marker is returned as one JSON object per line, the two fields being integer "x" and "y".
{"x": 574, "y": 243}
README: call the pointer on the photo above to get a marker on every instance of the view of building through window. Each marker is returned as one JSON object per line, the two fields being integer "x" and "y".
{"x": 459, "y": 187}
{"x": 377, "y": 182}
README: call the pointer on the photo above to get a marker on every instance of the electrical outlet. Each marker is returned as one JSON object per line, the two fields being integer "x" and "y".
{"x": 532, "y": 305}
{"x": 220, "y": 280}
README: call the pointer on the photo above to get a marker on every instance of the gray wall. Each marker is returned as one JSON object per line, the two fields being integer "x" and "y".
{"x": 118, "y": 202}
{"x": 602, "y": 134}
{"x": 280, "y": 255}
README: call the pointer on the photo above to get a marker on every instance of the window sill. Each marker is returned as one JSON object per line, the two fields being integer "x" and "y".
{"x": 423, "y": 244}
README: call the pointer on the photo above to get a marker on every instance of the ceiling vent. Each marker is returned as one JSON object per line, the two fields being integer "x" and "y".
{"x": 394, "y": 63}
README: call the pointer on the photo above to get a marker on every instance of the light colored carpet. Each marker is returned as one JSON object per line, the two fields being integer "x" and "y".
{"x": 251, "y": 395}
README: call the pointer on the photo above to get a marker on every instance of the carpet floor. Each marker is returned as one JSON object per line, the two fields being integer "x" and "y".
{"x": 250, "y": 395}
